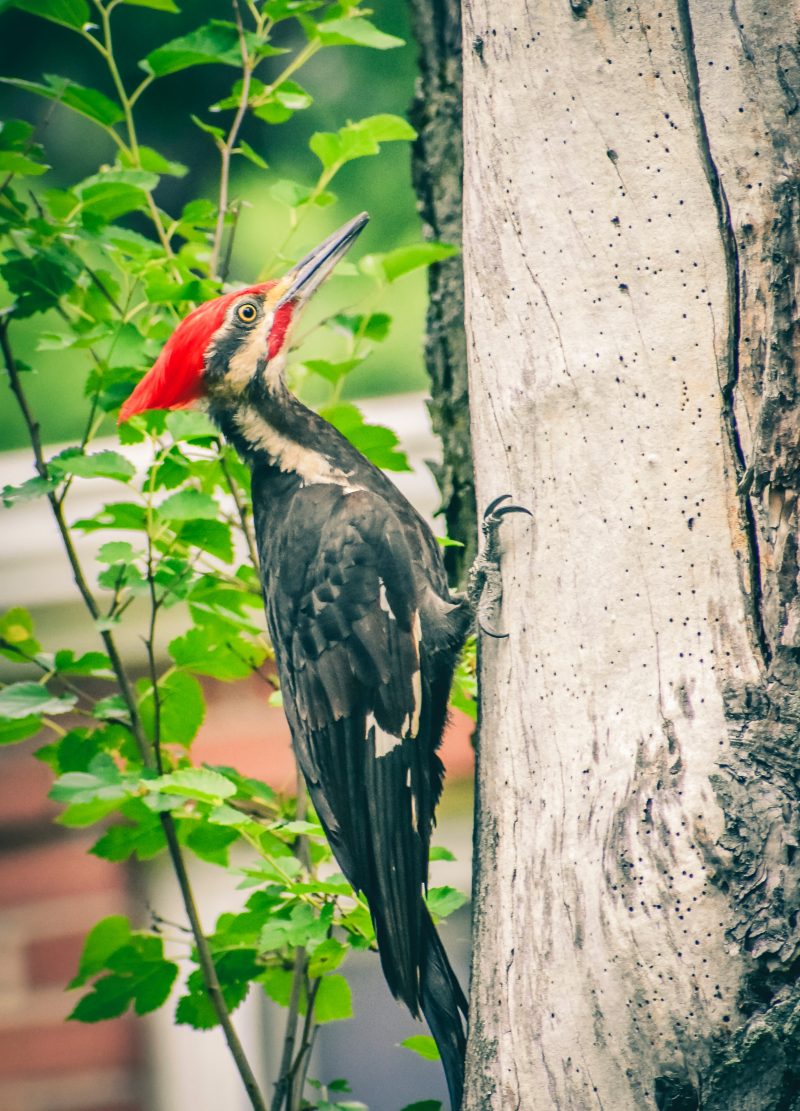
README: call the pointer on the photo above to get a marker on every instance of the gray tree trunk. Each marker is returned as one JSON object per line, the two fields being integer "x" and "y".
{"x": 437, "y": 164}
{"x": 631, "y": 244}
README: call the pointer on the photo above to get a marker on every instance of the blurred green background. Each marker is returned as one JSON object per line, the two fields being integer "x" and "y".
{"x": 346, "y": 82}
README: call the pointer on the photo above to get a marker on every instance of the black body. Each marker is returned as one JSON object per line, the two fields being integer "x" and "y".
{"x": 366, "y": 636}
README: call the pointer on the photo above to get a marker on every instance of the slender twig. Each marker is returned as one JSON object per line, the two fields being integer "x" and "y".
{"x": 283, "y": 1083}
{"x": 226, "y": 150}
{"x": 241, "y": 509}
{"x": 206, "y": 962}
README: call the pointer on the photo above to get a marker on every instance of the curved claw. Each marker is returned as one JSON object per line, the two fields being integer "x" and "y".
{"x": 490, "y": 508}
{"x": 512, "y": 509}
{"x": 491, "y": 633}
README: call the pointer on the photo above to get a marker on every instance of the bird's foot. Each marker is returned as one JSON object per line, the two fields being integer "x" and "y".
{"x": 485, "y": 587}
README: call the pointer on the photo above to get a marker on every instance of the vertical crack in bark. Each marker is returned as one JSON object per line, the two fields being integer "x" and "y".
{"x": 728, "y": 387}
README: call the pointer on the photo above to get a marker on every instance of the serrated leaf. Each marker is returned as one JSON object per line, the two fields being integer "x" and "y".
{"x": 116, "y": 515}
{"x": 88, "y": 102}
{"x": 187, "y": 424}
{"x": 195, "y": 783}
{"x": 444, "y": 900}
{"x": 423, "y": 1045}
{"x": 99, "y": 464}
{"x": 116, "y": 551}
{"x": 326, "y": 957}
{"x": 394, "y": 264}
{"x": 110, "y": 997}
{"x": 356, "y": 31}
{"x": 359, "y": 139}
{"x": 213, "y": 537}
{"x": 89, "y": 663}
{"x": 333, "y": 1001}
{"x": 69, "y": 13}
{"x": 216, "y": 41}
{"x": 188, "y": 505}
{"x": 19, "y": 700}
{"x": 28, "y": 490}
{"x": 39, "y": 282}
{"x": 208, "y": 650}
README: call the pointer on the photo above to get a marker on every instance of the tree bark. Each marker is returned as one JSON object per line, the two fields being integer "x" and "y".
{"x": 630, "y": 224}
{"x": 437, "y": 164}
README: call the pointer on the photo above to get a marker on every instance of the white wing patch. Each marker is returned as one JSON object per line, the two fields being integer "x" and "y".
{"x": 384, "y": 742}
{"x": 416, "y": 678}
{"x": 383, "y": 601}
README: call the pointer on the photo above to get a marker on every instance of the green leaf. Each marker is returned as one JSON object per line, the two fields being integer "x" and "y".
{"x": 217, "y": 652}
{"x": 17, "y": 641}
{"x": 69, "y": 13}
{"x": 19, "y": 700}
{"x": 38, "y": 283}
{"x": 144, "y": 839}
{"x": 278, "y": 10}
{"x": 116, "y": 192}
{"x": 333, "y": 1001}
{"x": 332, "y": 372}
{"x": 247, "y": 152}
{"x": 375, "y": 327}
{"x": 99, "y": 464}
{"x": 216, "y": 41}
{"x": 211, "y": 842}
{"x": 90, "y": 663}
{"x": 439, "y": 852}
{"x": 11, "y": 732}
{"x": 444, "y": 900}
{"x": 182, "y": 708}
{"x": 187, "y": 424}
{"x": 88, "y": 102}
{"x": 116, "y": 515}
{"x": 377, "y": 443}
{"x": 357, "y": 140}
{"x": 156, "y": 5}
{"x": 394, "y": 264}
{"x": 15, "y": 162}
{"x": 109, "y": 998}
{"x": 423, "y": 1045}
{"x": 326, "y": 957}
{"x": 195, "y": 783}
{"x": 150, "y": 159}
{"x": 27, "y": 491}
{"x": 278, "y": 105}
{"x": 189, "y": 505}
{"x": 116, "y": 551}
{"x": 214, "y": 537}
{"x": 356, "y": 31}
{"x": 102, "y": 940}
{"x": 424, "y": 1105}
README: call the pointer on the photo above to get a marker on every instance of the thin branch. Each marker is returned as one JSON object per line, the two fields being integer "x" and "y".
{"x": 241, "y": 509}
{"x": 227, "y": 149}
{"x": 283, "y": 1083}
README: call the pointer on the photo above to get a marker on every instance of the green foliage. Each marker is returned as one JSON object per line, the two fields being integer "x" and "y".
{"x": 423, "y": 1045}
{"x": 114, "y": 272}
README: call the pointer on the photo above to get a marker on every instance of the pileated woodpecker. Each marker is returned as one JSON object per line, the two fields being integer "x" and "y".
{"x": 365, "y": 630}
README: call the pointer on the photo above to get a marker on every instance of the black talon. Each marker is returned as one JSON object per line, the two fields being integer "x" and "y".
{"x": 485, "y": 582}
{"x": 512, "y": 509}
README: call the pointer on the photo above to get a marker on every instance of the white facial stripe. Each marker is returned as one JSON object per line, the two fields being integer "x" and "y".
{"x": 244, "y": 363}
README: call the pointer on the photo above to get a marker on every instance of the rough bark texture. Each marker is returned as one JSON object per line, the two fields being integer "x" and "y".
{"x": 631, "y": 247}
{"x": 437, "y": 170}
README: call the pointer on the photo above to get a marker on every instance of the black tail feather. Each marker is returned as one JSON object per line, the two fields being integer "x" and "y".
{"x": 443, "y": 1004}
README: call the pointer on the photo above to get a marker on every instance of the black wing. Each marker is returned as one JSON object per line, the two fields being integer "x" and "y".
{"x": 365, "y": 702}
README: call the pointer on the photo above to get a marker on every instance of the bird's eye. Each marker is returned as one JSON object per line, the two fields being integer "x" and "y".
{"x": 247, "y": 312}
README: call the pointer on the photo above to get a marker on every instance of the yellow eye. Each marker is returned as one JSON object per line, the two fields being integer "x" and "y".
{"x": 247, "y": 312}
